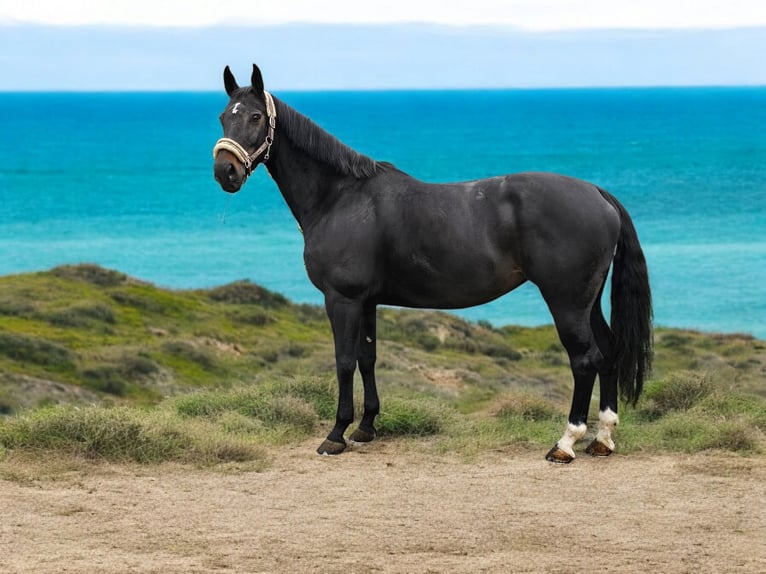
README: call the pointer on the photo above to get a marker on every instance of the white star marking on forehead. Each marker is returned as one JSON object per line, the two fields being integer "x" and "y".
{"x": 234, "y": 111}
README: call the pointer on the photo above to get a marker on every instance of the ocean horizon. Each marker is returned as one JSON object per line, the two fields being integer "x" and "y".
{"x": 124, "y": 180}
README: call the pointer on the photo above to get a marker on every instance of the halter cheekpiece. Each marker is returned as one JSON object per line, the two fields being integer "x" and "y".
{"x": 249, "y": 160}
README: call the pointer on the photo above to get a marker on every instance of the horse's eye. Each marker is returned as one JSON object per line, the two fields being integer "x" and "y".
{"x": 256, "y": 116}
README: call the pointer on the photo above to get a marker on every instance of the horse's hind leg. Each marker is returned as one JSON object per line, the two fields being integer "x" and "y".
{"x": 603, "y": 445}
{"x": 585, "y": 358}
{"x": 366, "y": 358}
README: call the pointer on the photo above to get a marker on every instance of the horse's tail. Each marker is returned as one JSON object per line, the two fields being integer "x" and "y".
{"x": 631, "y": 320}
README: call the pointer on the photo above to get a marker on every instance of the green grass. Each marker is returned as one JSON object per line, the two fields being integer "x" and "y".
{"x": 147, "y": 374}
{"x": 36, "y": 350}
{"x": 414, "y": 417}
{"x": 122, "y": 434}
{"x": 197, "y": 428}
{"x": 689, "y": 413}
{"x": 272, "y": 409}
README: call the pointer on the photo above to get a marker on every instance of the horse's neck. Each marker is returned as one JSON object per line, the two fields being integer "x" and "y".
{"x": 301, "y": 179}
{"x": 309, "y": 164}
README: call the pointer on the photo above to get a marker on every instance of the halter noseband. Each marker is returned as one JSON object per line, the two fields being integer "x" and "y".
{"x": 249, "y": 160}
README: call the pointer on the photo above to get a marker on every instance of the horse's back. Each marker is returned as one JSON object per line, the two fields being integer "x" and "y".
{"x": 539, "y": 205}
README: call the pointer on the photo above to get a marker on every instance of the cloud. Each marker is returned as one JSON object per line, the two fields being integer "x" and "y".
{"x": 524, "y": 14}
{"x": 315, "y": 57}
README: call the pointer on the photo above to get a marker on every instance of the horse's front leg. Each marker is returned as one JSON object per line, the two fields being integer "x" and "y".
{"x": 367, "y": 355}
{"x": 345, "y": 318}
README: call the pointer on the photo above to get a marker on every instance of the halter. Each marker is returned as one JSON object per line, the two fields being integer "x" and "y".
{"x": 249, "y": 161}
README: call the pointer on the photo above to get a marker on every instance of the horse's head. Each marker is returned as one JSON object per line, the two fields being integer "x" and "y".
{"x": 248, "y": 124}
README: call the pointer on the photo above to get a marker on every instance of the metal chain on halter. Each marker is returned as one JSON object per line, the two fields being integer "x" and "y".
{"x": 234, "y": 147}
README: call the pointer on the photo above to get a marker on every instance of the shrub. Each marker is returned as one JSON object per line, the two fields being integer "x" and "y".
{"x": 289, "y": 411}
{"x": 237, "y": 423}
{"x": 679, "y": 393}
{"x": 731, "y": 406}
{"x": 690, "y": 432}
{"x": 554, "y": 356}
{"x": 410, "y": 329}
{"x": 426, "y": 341}
{"x": 682, "y": 432}
{"x": 254, "y": 317}
{"x": 105, "y": 379}
{"x": 120, "y": 435}
{"x": 296, "y": 406}
{"x": 527, "y": 407}
{"x": 500, "y": 351}
{"x": 189, "y": 352}
{"x": 415, "y": 417}
{"x": 247, "y": 293}
{"x": 115, "y": 377}
{"x": 678, "y": 341}
{"x": 16, "y": 307}
{"x": 307, "y": 313}
{"x": 35, "y": 350}
{"x": 321, "y": 394}
{"x": 135, "y": 366}
{"x": 733, "y": 437}
{"x": 113, "y": 434}
{"x": 8, "y": 403}
{"x": 83, "y": 315}
{"x": 90, "y": 273}
{"x": 206, "y": 404}
{"x": 137, "y": 301}
{"x": 295, "y": 351}
{"x": 520, "y": 419}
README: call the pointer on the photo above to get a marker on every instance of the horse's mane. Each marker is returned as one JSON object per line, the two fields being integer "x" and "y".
{"x": 321, "y": 145}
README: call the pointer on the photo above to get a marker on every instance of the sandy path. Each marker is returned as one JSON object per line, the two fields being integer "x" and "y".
{"x": 383, "y": 509}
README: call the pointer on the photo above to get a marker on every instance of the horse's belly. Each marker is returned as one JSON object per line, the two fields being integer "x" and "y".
{"x": 450, "y": 288}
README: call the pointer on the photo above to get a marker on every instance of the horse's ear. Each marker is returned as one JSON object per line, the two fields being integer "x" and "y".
{"x": 257, "y": 80}
{"x": 229, "y": 82}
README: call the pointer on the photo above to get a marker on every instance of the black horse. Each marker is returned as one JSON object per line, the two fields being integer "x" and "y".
{"x": 375, "y": 235}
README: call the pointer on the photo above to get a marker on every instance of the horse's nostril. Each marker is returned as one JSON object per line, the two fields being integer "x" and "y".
{"x": 231, "y": 172}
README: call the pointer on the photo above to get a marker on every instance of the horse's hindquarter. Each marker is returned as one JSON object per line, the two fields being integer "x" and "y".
{"x": 567, "y": 229}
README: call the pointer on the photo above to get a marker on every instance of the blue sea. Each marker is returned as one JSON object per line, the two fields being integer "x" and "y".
{"x": 125, "y": 180}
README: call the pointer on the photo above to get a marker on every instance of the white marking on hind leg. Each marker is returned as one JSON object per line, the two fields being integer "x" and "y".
{"x": 607, "y": 420}
{"x": 571, "y": 436}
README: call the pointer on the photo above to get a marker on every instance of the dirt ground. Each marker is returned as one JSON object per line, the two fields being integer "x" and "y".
{"x": 388, "y": 508}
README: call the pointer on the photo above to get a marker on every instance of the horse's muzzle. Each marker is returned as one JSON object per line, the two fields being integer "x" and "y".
{"x": 229, "y": 174}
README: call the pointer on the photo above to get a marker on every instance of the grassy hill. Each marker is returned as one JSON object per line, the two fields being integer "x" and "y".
{"x": 244, "y": 358}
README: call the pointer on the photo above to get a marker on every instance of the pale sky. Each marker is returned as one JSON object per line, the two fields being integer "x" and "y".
{"x": 534, "y": 15}
{"x": 94, "y": 45}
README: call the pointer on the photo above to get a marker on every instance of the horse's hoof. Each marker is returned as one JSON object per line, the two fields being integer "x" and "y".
{"x": 360, "y": 435}
{"x": 597, "y": 448}
{"x": 558, "y": 456}
{"x": 330, "y": 447}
